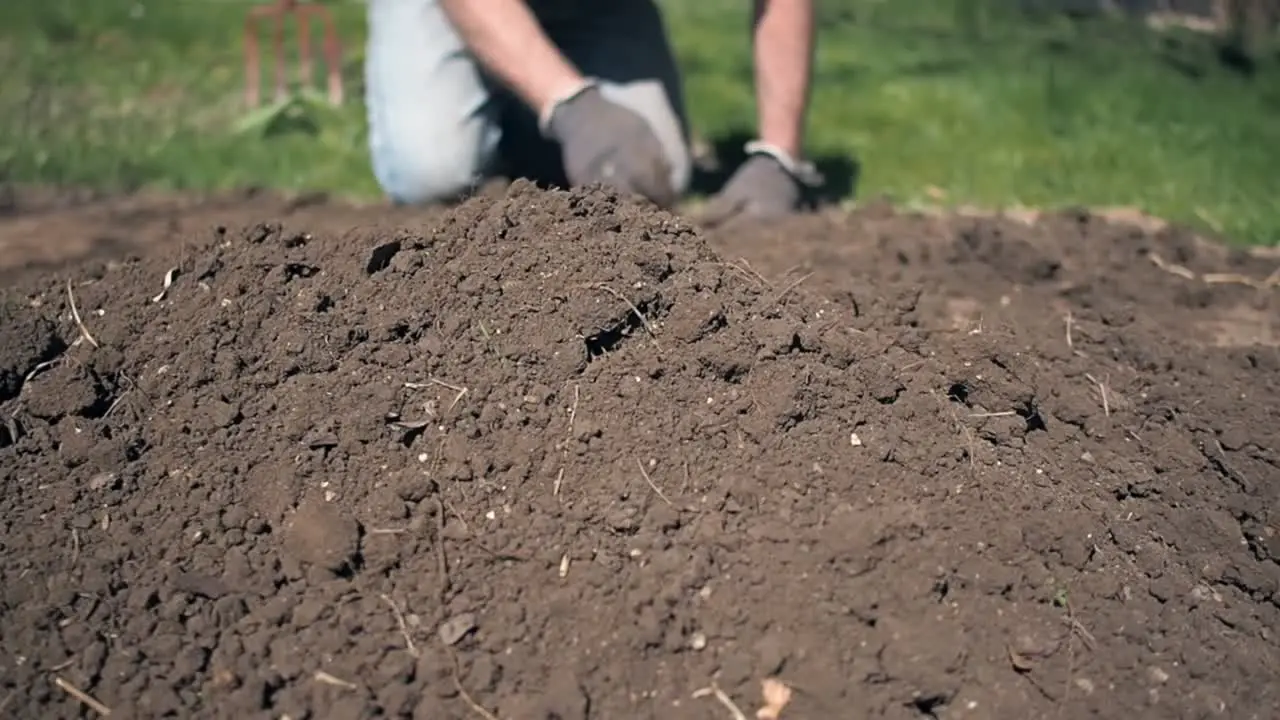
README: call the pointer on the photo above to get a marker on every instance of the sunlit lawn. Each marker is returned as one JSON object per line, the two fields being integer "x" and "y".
{"x": 958, "y": 99}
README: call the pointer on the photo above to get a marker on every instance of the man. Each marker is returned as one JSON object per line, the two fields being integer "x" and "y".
{"x": 570, "y": 92}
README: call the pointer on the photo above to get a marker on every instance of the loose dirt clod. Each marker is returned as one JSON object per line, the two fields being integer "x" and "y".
{"x": 319, "y": 533}
{"x": 30, "y": 344}
{"x": 869, "y": 497}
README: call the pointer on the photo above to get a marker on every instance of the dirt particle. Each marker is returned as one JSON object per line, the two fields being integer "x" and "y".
{"x": 415, "y": 487}
{"x": 221, "y": 414}
{"x": 200, "y": 585}
{"x": 319, "y": 533}
{"x": 771, "y": 653}
{"x": 457, "y": 627}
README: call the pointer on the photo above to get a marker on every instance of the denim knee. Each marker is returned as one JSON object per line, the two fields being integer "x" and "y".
{"x": 433, "y": 122}
{"x": 418, "y": 169}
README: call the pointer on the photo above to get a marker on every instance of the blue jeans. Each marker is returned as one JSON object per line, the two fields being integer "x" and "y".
{"x": 438, "y": 126}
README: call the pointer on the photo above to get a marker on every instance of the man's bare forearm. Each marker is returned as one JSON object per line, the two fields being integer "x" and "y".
{"x": 783, "y": 39}
{"x": 507, "y": 40}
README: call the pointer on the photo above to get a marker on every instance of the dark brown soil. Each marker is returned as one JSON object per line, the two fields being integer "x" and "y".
{"x": 552, "y": 455}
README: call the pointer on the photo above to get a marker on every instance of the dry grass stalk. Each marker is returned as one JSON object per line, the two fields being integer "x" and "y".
{"x": 80, "y": 695}
{"x": 75, "y": 315}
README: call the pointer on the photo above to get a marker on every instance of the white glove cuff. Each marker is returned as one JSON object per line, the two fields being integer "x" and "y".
{"x": 803, "y": 171}
{"x": 544, "y": 117}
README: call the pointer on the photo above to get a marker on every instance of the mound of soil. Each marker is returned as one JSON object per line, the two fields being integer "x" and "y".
{"x": 559, "y": 455}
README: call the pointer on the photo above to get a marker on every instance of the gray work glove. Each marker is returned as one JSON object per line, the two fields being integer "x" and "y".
{"x": 769, "y": 185}
{"x": 603, "y": 142}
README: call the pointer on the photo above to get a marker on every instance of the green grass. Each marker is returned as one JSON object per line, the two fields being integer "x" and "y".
{"x": 958, "y": 95}
{"x": 119, "y": 93}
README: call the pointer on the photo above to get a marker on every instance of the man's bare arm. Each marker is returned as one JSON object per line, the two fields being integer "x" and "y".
{"x": 507, "y": 40}
{"x": 783, "y": 44}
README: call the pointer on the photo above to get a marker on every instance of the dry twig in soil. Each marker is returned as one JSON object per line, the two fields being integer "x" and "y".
{"x": 573, "y": 409}
{"x": 461, "y": 391}
{"x": 168, "y": 283}
{"x": 744, "y": 269}
{"x": 643, "y": 320}
{"x": 786, "y": 290}
{"x": 714, "y": 691}
{"x": 324, "y": 677}
{"x": 404, "y": 627}
{"x": 75, "y": 315}
{"x": 85, "y": 698}
{"x": 1237, "y": 279}
{"x": 39, "y": 368}
{"x": 1271, "y": 281}
{"x": 649, "y": 480}
{"x": 476, "y": 707}
{"x": 1171, "y": 268}
{"x": 1075, "y": 628}
{"x": 1102, "y": 389}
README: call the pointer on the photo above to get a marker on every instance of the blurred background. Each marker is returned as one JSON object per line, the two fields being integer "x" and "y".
{"x": 1168, "y": 106}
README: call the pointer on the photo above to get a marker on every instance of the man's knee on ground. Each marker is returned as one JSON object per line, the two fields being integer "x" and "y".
{"x": 428, "y": 172}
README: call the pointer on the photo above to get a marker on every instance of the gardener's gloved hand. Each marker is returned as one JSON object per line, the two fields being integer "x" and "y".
{"x": 603, "y": 142}
{"x": 769, "y": 185}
